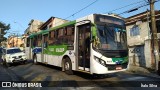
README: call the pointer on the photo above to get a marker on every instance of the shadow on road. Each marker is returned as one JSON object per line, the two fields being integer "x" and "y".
{"x": 82, "y": 74}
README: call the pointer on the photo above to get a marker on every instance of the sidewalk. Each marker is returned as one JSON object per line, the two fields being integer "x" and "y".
{"x": 142, "y": 71}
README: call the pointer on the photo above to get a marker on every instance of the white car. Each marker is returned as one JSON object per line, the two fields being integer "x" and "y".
{"x": 13, "y": 55}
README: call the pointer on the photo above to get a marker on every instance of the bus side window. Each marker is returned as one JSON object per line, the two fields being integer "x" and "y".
{"x": 70, "y": 35}
{"x": 35, "y": 41}
{"x": 45, "y": 44}
{"x": 60, "y": 36}
{"x": 45, "y": 41}
{"x": 56, "y": 37}
{"x": 39, "y": 40}
{"x": 59, "y": 39}
{"x": 28, "y": 42}
{"x": 32, "y": 42}
{"x": 51, "y": 38}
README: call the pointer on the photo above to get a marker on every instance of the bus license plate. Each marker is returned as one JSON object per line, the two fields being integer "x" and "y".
{"x": 118, "y": 67}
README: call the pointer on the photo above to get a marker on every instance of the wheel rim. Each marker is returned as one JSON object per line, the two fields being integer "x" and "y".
{"x": 66, "y": 66}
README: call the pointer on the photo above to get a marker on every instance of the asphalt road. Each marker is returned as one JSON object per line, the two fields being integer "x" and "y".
{"x": 53, "y": 78}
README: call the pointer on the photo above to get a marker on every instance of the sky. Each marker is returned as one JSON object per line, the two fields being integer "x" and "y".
{"x": 18, "y": 13}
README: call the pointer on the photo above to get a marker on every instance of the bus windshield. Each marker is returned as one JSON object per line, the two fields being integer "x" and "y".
{"x": 111, "y": 37}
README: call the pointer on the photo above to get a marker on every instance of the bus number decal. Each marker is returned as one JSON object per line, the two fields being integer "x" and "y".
{"x": 59, "y": 49}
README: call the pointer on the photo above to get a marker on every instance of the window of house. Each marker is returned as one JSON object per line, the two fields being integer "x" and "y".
{"x": 135, "y": 30}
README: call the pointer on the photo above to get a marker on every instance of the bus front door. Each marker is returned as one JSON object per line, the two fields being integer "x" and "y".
{"x": 84, "y": 47}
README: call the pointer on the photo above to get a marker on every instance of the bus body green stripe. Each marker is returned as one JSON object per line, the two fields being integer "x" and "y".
{"x": 55, "y": 50}
{"x": 35, "y": 34}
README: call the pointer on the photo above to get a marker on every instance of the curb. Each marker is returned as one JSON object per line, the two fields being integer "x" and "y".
{"x": 142, "y": 71}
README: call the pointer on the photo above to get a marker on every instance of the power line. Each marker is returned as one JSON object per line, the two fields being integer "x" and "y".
{"x": 81, "y": 9}
{"x": 124, "y": 6}
{"x": 128, "y": 11}
{"x": 136, "y": 8}
{"x": 78, "y": 11}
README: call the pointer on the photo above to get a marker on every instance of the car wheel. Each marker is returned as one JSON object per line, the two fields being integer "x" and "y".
{"x": 68, "y": 66}
{"x": 6, "y": 64}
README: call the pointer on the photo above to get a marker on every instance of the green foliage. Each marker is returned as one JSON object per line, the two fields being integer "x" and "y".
{"x": 4, "y": 28}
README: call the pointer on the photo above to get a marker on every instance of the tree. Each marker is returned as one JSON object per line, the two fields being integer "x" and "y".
{"x": 3, "y": 30}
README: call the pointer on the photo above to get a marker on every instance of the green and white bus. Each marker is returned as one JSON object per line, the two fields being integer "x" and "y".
{"x": 95, "y": 44}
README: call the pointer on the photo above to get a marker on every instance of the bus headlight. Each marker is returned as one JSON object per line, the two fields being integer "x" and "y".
{"x": 100, "y": 61}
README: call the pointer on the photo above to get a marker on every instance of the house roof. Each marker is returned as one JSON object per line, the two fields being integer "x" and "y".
{"x": 47, "y": 22}
{"x": 141, "y": 17}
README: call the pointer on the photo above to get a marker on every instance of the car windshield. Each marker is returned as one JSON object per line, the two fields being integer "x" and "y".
{"x": 11, "y": 51}
{"x": 111, "y": 37}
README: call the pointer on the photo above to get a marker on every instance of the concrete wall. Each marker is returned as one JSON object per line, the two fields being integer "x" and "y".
{"x": 148, "y": 53}
{"x": 55, "y": 22}
{"x": 140, "y": 52}
{"x": 33, "y": 27}
{"x": 137, "y": 56}
{"x": 15, "y": 42}
{"x": 58, "y": 21}
{"x": 138, "y": 40}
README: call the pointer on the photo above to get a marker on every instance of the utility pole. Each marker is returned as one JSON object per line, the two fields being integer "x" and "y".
{"x": 154, "y": 34}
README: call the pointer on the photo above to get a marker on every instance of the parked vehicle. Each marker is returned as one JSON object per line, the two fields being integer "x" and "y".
{"x": 13, "y": 55}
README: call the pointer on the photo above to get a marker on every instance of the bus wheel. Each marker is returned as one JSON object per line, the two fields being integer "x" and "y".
{"x": 35, "y": 59}
{"x": 68, "y": 66}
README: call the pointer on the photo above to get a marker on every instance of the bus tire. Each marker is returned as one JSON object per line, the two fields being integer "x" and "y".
{"x": 35, "y": 59}
{"x": 68, "y": 66}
